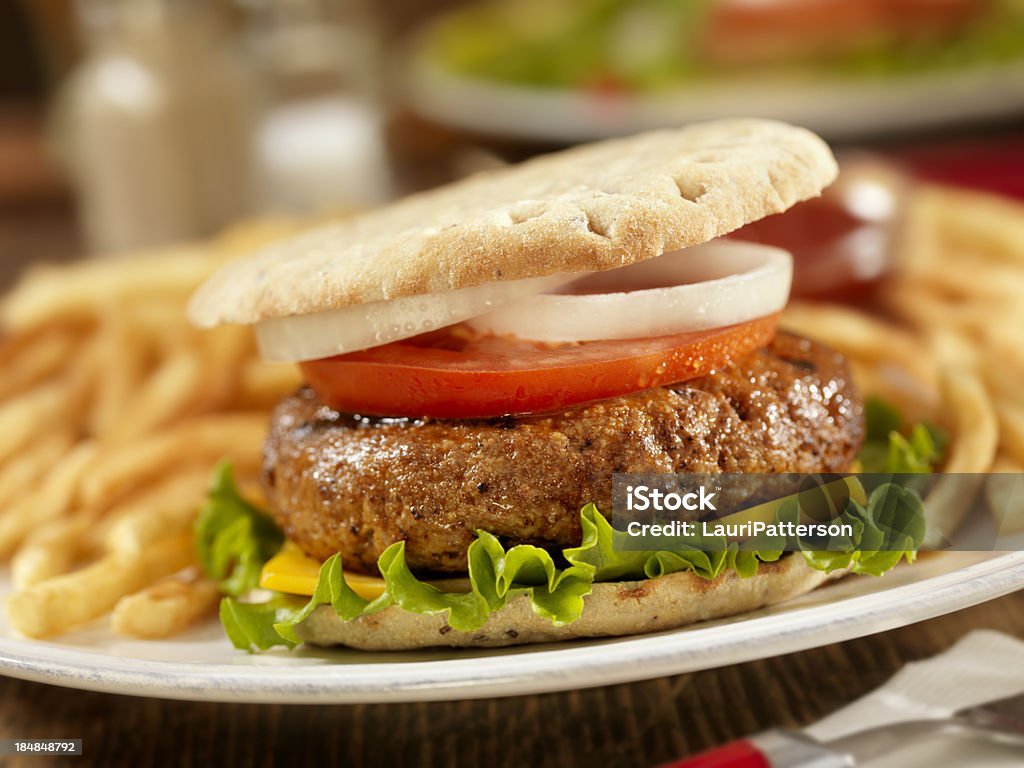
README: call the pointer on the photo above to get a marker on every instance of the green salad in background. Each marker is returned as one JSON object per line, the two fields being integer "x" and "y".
{"x": 652, "y": 45}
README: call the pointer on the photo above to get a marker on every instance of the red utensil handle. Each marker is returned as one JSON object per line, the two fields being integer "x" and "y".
{"x": 769, "y": 749}
{"x": 738, "y": 754}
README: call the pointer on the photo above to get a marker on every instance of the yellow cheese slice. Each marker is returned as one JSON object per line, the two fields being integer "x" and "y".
{"x": 295, "y": 573}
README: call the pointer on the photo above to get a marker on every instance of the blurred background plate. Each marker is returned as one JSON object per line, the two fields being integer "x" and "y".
{"x": 201, "y": 665}
{"x": 839, "y": 108}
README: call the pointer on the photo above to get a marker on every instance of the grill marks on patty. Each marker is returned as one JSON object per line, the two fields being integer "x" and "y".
{"x": 338, "y": 482}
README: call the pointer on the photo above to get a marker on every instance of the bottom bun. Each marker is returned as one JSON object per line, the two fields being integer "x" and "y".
{"x": 611, "y": 610}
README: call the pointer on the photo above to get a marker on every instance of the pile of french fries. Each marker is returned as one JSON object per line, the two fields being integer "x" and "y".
{"x": 953, "y": 351}
{"x": 961, "y": 287}
{"x": 113, "y": 412}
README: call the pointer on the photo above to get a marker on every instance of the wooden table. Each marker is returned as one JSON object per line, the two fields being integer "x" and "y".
{"x": 638, "y": 724}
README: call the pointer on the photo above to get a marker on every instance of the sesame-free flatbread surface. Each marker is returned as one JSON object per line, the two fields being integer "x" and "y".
{"x": 590, "y": 208}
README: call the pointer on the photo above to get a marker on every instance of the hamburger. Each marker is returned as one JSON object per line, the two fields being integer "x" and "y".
{"x": 483, "y": 359}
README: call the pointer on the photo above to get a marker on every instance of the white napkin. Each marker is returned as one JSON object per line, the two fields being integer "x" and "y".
{"x": 983, "y": 666}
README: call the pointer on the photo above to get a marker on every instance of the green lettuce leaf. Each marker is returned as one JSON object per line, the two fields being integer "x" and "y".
{"x": 890, "y": 449}
{"x": 331, "y": 589}
{"x": 604, "y": 549}
{"x": 254, "y": 626}
{"x": 464, "y": 610}
{"x": 881, "y": 418}
{"x": 233, "y": 539}
{"x": 887, "y": 529}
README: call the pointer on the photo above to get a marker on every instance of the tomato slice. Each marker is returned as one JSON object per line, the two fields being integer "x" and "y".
{"x": 454, "y": 374}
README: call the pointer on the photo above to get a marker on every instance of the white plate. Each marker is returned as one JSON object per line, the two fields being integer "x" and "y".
{"x": 837, "y": 108}
{"x": 201, "y": 665}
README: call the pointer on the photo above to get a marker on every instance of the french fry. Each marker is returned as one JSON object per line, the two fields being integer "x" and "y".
{"x": 52, "y": 499}
{"x": 201, "y": 440}
{"x": 162, "y": 323}
{"x": 248, "y": 236}
{"x": 995, "y": 282}
{"x": 37, "y": 362}
{"x": 928, "y": 311}
{"x": 166, "y": 607}
{"x": 224, "y": 351}
{"x": 1003, "y": 375}
{"x": 120, "y": 353}
{"x": 918, "y": 240}
{"x": 24, "y": 417}
{"x": 1007, "y": 464}
{"x": 955, "y": 350}
{"x": 86, "y": 289}
{"x": 891, "y": 383}
{"x": 987, "y": 226}
{"x": 1011, "y": 429}
{"x": 52, "y": 550}
{"x": 1004, "y": 492}
{"x": 973, "y": 442}
{"x": 56, "y": 605}
{"x": 263, "y": 384}
{"x": 13, "y": 344}
{"x": 975, "y": 431}
{"x": 165, "y": 397}
{"x": 20, "y": 474}
{"x": 165, "y": 508}
{"x": 861, "y": 336}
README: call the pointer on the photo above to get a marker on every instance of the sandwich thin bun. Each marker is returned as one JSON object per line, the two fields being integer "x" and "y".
{"x": 591, "y": 208}
{"x": 611, "y": 610}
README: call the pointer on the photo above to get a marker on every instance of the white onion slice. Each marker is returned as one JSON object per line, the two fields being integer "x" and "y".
{"x": 706, "y": 286}
{"x": 350, "y": 329}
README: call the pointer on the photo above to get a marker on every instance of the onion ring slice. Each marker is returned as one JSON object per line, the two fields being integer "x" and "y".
{"x": 703, "y": 287}
{"x": 350, "y": 329}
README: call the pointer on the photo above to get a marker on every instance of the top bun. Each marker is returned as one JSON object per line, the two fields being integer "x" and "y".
{"x": 591, "y": 208}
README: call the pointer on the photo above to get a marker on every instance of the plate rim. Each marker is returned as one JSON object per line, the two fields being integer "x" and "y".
{"x": 836, "y": 107}
{"x": 541, "y": 671}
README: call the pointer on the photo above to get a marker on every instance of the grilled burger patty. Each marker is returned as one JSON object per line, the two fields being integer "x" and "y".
{"x": 339, "y": 482}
